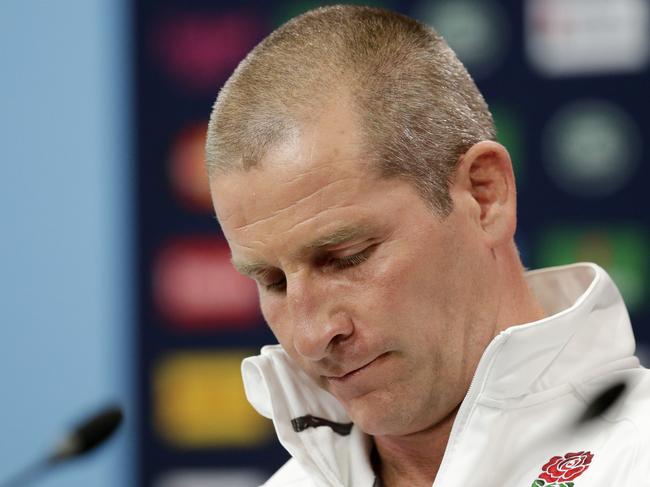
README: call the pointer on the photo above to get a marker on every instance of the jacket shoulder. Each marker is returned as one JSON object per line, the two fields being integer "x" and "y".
{"x": 291, "y": 474}
{"x": 638, "y": 394}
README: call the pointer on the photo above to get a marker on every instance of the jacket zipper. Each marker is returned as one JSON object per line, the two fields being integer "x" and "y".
{"x": 468, "y": 402}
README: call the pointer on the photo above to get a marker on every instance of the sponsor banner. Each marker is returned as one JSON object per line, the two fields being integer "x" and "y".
{"x": 187, "y": 174}
{"x": 212, "y": 478}
{"x": 199, "y": 402}
{"x": 573, "y": 37}
{"x": 622, "y": 251}
{"x": 591, "y": 148}
{"x": 509, "y": 133}
{"x": 200, "y": 50}
{"x": 195, "y": 286}
{"x": 477, "y": 31}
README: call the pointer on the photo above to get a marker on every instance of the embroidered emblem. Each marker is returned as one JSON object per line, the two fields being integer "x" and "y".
{"x": 309, "y": 421}
{"x": 560, "y": 471}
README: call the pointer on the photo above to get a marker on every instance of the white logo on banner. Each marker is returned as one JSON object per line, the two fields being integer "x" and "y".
{"x": 571, "y": 37}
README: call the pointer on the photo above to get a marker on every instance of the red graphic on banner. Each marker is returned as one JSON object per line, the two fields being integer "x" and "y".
{"x": 201, "y": 50}
{"x": 187, "y": 172}
{"x": 195, "y": 286}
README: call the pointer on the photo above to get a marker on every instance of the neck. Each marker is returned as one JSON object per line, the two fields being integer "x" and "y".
{"x": 413, "y": 460}
{"x": 521, "y": 305}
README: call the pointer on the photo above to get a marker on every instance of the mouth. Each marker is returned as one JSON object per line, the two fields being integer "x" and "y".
{"x": 352, "y": 373}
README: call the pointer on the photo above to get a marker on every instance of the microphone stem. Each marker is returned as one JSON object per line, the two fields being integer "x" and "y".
{"x": 26, "y": 475}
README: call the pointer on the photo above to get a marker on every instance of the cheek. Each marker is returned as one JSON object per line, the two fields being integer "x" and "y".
{"x": 399, "y": 295}
{"x": 416, "y": 296}
{"x": 406, "y": 281}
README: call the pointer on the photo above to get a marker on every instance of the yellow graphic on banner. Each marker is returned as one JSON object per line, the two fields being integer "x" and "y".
{"x": 199, "y": 402}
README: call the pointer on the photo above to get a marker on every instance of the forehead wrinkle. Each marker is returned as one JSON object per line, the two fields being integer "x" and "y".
{"x": 301, "y": 200}
{"x": 310, "y": 165}
{"x": 316, "y": 216}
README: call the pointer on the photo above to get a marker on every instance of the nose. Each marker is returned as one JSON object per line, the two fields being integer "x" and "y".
{"x": 319, "y": 322}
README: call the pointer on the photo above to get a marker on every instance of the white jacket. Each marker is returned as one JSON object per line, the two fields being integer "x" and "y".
{"x": 518, "y": 416}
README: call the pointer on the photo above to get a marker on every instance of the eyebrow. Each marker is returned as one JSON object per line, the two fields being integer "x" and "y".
{"x": 339, "y": 236}
{"x": 250, "y": 269}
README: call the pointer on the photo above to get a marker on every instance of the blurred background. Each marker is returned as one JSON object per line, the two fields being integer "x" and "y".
{"x": 115, "y": 283}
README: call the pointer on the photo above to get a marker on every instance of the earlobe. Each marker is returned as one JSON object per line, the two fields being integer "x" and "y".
{"x": 490, "y": 181}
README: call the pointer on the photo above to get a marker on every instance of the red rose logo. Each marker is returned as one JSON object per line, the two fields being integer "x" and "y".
{"x": 562, "y": 469}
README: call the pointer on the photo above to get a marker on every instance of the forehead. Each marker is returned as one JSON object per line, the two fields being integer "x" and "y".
{"x": 324, "y": 164}
{"x": 245, "y": 201}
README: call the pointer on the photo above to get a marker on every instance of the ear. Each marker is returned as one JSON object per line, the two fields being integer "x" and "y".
{"x": 485, "y": 176}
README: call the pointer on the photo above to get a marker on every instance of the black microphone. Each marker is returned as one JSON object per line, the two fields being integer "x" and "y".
{"x": 602, "y": 402}
{"x": 85, "y": 437}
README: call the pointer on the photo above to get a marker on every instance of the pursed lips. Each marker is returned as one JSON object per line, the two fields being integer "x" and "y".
{"x": 351, "y": 372}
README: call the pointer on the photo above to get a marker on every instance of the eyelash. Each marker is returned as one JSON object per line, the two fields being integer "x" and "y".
{"x": 339, "y": 264}
{"x": 351, "y": 260}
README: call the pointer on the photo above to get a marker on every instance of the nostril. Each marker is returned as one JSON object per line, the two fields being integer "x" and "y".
{"x": 316, "y": 339}
{"x": 337, "y": 340}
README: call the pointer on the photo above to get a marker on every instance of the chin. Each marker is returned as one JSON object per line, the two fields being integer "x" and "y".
{"x": 383, "y": 426}
{"x": 380, "y": 416}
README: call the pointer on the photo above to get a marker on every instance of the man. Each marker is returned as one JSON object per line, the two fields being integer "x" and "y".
{"x": 355, "y": 175}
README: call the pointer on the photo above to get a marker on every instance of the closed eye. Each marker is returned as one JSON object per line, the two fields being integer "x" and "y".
{"x": 266, "y": 280}
{"x": 339, "y": 263}
{"x": 351, "y": 260}
{"x": 336, "y": 263}
{"x": 279, "y": 285}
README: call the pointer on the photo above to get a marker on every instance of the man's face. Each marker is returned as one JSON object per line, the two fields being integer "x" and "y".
{"x": 384, "y": 304}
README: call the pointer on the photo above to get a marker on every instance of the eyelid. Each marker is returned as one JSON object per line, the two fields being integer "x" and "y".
{"x": 352, "y": 260}
{"x": 353, "y": 255}
{"x": 348, "y": 250}
{"x": 275, "y": 286}
{"x": 267, "y": 274}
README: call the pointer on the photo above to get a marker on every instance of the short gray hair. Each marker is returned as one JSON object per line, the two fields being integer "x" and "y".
{"x": 419, "y": 108}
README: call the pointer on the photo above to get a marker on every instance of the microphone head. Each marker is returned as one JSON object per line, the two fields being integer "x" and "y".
{"x": 88, "y": 435}
{"x": 600, "y": 404}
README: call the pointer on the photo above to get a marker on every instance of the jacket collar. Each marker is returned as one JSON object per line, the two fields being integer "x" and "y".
{"x": 573, "y": 343}
{"x": 278, "y": 390}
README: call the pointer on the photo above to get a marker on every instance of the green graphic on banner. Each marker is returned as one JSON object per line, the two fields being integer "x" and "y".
{"x": 509, "y": 134}
{"x": 622, "y": 251}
